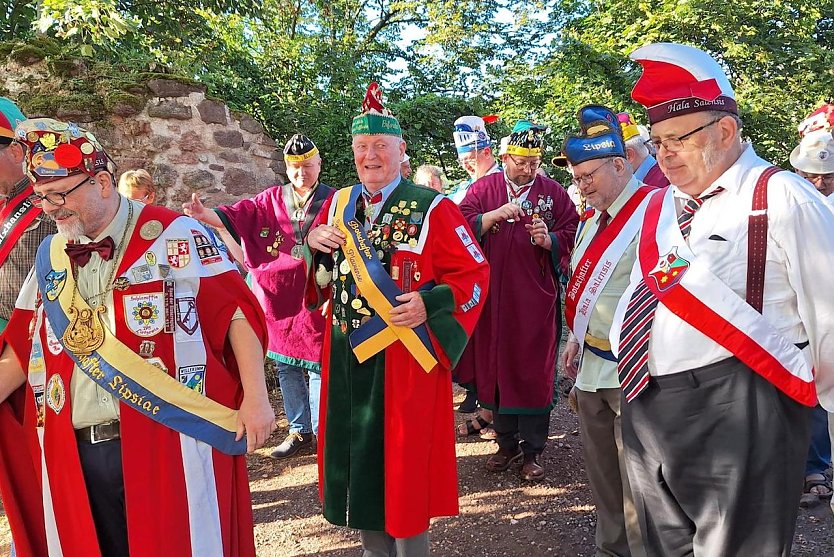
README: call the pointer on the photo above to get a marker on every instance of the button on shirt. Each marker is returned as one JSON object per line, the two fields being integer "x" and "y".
{"x": 595, "y": 372}
{"x": 91, "y": 404}
{"x": 800, "y": 254}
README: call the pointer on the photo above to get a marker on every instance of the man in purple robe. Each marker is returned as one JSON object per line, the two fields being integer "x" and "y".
{"x": 526, "y": 225}
{"x": 272, "y": 228}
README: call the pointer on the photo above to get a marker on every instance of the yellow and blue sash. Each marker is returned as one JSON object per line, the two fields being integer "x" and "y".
{"x": 132, "y": 380}
{"x": 377, "y": 286}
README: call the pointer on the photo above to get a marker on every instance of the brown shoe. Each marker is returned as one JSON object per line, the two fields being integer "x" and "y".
{"x": 503, "y": 459}
{"x": 531, "y": 470}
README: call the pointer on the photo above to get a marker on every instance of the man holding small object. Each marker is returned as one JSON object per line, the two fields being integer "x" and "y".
{"x": 526, "y": 225}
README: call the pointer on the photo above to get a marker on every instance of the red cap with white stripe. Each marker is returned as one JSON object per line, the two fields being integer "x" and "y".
{"x": 679, "y": 79}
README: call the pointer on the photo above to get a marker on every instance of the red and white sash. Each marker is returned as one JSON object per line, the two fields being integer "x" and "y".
{"x": 599, "y": 260}
{"x": 687, "y": 288}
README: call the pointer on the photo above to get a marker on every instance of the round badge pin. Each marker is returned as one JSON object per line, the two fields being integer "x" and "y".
{"x": 151, "y": 230}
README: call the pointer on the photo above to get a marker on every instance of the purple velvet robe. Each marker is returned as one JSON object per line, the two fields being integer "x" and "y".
{"x": 278, "y": 281}
{"x": 516, "y": 340}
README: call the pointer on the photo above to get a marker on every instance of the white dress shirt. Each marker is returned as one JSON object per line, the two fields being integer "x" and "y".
{"x": 800, "y": 261}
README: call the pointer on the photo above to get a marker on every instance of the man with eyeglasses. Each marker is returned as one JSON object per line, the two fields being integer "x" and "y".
{"x": 526, "y": 225}
{"x": 23, "y": 228}
{"x": 723, "y": 336}
{"x": 601, "y": 264}
{"x": 813, "y": 159}
{"x": 644, "y": 164}
{"x": 143, "y": 359}
{"x": 474, "y": 149}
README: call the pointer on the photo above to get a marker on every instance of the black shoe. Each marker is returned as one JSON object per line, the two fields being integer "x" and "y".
{"x": 469, "y": 404}
{"x": 292, "y": 444}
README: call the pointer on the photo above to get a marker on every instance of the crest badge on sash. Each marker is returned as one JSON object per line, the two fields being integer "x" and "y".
{"x": 669, "y": 270}
{"x": 187, "y": 315}
{"x": 193, "y": 377}
{"x": 56, "y": 395}
{"x": 179, "y": 253}
{"x": 54, "y": 284}
{"x": 144, "y": 313}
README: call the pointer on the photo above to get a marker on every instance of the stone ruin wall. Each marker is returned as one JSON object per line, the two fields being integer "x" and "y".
{"x": 188, "y": 142}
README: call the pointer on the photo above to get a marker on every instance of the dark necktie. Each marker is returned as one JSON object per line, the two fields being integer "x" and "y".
{"x": 80, "y": 253}
{"x": 602, "y": 223}
{"x": 633, "y": 361}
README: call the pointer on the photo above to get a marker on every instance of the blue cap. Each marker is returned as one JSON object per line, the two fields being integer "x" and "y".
{"x": 600, "y": 136}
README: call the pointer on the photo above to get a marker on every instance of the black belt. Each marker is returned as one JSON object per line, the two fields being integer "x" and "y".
{"x": 98, "y": 433}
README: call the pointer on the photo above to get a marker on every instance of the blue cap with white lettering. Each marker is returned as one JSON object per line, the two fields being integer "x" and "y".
{"x": 600, "y": 136}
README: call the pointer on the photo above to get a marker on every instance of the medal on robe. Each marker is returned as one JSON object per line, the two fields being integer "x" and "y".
{"x": 85, "y": 332}
{"x": 297, "y": 251}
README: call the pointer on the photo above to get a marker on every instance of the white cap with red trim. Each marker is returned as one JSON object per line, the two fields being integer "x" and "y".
{"x": 679, "y": 79}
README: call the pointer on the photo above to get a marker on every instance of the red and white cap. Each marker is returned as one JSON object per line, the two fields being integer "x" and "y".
{"x": 679, "y": 79}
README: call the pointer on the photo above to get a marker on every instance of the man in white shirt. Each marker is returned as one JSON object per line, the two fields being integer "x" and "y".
{"x": 813, "y": 159}
{"x": 723, "y": 336}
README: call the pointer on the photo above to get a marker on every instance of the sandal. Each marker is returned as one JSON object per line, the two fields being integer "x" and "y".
{"x": 468, "y": 427}
{"x": 817, "y": 487}
{"x": 488, "y": 434}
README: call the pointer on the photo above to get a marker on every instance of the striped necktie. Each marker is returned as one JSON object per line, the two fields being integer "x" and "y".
{"x": 633, "y": 362}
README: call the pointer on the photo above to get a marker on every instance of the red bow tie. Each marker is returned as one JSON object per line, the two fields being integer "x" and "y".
{"x": 80, "y": 253}
{"x": 374, "y": 199}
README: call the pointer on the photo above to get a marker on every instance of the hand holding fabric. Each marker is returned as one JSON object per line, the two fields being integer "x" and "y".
{"x": 411, "y": 313}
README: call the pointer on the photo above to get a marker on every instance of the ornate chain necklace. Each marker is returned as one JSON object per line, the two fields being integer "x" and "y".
{"x": 85, "y": 332}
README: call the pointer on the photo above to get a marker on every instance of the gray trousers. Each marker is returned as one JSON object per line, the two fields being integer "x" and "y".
{"x": 716, "y": 461}
{"x": 380, "y": 544}
{"x": 618, "y": 530}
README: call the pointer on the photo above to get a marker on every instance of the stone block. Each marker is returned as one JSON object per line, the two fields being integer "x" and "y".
{"x": 231, "y": 156}
{"x": 212, "y": 112}
{"x": 183, "y": 158}
{"x": 249, "y": 124}
{"x": 164, "y": 176}
{"x": 265, "y": 153}
{"x": 231, "y": 139}
{"x": 173, "y": 88}
{"x": 238, "y": 181}
{"x": 198, "y": 180}
{"x": 170, "y": 110}
{"x": 191, "y": 142}
{"x": 217, "y": 167}
{"x": 266, "y": 141}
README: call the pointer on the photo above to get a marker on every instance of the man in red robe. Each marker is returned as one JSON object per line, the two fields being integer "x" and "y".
{"x": 141, "y": 349}
{"x": 406, "y": 282}
{"x": 526, "y": 225}
{"x": 25, "y": 228}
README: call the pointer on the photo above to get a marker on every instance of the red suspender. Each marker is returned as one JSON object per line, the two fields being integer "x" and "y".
{"x": 757, "y": 241}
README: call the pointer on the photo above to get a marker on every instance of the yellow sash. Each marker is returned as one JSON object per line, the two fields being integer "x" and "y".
{"x": 359, "y": 255}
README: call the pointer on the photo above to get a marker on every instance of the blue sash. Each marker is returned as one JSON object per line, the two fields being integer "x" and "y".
{"x": 129, "y": 378}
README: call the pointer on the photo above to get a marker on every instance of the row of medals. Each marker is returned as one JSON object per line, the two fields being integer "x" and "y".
{"x": 384, "y": 241}
{"x": 297, "y": 251}
{"x": 358, "y": 303}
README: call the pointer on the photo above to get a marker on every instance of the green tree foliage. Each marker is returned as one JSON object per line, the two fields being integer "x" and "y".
{"x": 779, "y": 57}
{"x": 303, "y": 65}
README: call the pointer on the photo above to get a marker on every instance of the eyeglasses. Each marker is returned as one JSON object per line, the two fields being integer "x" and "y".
{"x": 675, "y": 144}
{"x": 530, "y": 165}
{"x": 588, "y": 178}
{"x": 815, "y": 178}
{"x": 56, "y": 198}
